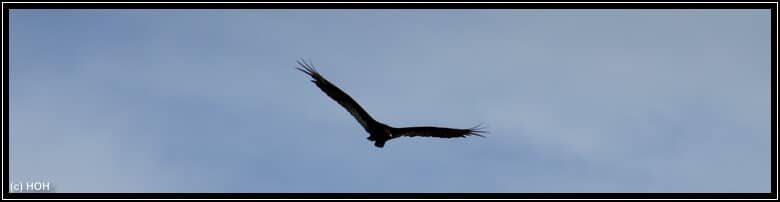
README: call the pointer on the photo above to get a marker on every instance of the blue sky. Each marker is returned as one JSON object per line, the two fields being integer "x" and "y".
{"x": 209, "y": 100}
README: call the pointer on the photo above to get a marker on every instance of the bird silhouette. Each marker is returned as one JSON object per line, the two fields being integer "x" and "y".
{"x": 379, "y": 132}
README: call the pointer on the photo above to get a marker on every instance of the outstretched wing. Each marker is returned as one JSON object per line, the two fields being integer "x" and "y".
{"x": 428, "y": 131}
{"x": 336, "y": 94}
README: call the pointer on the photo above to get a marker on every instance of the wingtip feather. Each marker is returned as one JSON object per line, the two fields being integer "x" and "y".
{"x": 307, "y": 67}
{"x": 478, "y": 130}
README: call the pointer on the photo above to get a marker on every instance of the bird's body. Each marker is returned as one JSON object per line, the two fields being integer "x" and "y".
{"x": 378, "y": 132}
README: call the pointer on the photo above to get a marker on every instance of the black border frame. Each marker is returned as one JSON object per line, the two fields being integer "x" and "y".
{"x": 383, "y": 5}
{"x": 665, "y": 5}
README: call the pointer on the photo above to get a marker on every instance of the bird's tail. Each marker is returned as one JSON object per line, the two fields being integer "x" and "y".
{"x": 380, "y": 143}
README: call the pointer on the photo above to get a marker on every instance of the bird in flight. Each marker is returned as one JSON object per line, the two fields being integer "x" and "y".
{"x": 378, "y": 132}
